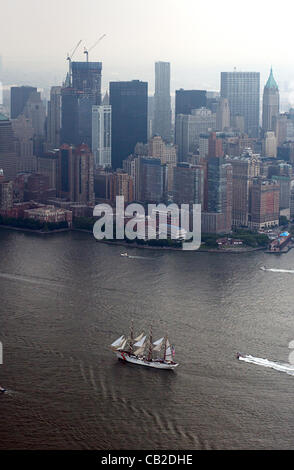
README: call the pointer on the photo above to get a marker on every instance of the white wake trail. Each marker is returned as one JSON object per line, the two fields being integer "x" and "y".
{"x": 288, "y": 368}
{"x": 275, "y": 270}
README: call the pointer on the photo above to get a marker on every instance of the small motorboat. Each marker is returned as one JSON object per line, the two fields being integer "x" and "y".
{"x": 124, "y": 254}
{"x": 238, "y": 355}
{"x": 2, "y": 390}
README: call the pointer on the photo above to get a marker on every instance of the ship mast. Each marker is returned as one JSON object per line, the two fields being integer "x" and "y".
{"x": 150, "y": 345}
{"x": 165, "y": 341}
{"x": 132, "y": 337}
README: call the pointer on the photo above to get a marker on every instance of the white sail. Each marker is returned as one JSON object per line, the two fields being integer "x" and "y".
{"x": 118, "y": 342}
{"x": 139, "y": 337}
{"x": 140, "y": 343}
{"x": 159, "y": 341}
{"x": 122, "y": 346}
{"x": 139, "y": 351}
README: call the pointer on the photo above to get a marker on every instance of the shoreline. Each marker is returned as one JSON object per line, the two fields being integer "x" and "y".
{"x": 236, "y": 251}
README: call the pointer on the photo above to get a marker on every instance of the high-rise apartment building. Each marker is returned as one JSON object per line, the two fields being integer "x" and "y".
{"x": 129, "y": 118}
{"x": 270, "y": 104}
{"x": 242, "y": 90}
{"x": 162, "y": 101}
{"x": 101, "y": 135}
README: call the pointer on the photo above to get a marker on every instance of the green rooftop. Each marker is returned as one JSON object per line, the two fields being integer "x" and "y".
{"x": 271, "y": 82}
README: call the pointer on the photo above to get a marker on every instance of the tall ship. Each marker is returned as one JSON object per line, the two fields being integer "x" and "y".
{"x": 142, "y": 351}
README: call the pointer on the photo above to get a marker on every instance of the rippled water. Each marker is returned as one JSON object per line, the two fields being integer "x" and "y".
{"x": 65, "y": 298}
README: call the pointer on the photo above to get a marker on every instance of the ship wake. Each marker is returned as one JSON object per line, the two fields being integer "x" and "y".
{"x": 281, "y": 367}
{"x": 275, "y": 270}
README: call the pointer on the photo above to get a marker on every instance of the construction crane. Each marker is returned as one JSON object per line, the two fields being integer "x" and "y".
{"x": 86, "y": 51}
{"x": 69, "y": 57}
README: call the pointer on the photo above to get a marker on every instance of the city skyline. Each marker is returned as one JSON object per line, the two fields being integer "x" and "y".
{"x": 207, "y": 43}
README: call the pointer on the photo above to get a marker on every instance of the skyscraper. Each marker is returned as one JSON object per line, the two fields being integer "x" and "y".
{"x": 19, "y": 96}
{"x": 162, "y": 103}
{"x": 129, "y": 118}
{"x": 75, "y": 178}
{"x": 8, "y": 157}
{"x": 242, "y": 91}
{"x": 101, "y": 135}
{"x": 54, "y": 118}
{"x": 86, "y": 77}
{"x": 186, "y": 100}
{"x": 77, "y": 102}
{"x": 188, "y": 130}
{"x": 270, "y": 104}
{"x": 223, "y": 115}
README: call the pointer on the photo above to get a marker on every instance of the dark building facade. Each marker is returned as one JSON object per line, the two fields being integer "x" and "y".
{"x": 76, "y": 117}
{"x": 129, "y": 101}
{"x": 19, "y": 96}
{"x": 186, "y": 100}
{"x": 86, "y": 77}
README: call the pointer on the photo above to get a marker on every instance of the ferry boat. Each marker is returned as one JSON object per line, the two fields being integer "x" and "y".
{"x": 141, "y": 352}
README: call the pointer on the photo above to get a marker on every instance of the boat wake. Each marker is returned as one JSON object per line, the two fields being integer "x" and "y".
{"x": 287, "y": 368}
{"x": 126, "y": 255}
{"x": 274, "y": 270}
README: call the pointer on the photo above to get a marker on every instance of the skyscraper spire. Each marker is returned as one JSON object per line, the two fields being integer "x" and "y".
{"x": 271, "y": 82}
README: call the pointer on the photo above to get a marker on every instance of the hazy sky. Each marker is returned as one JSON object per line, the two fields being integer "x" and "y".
{"x": 199, "y": 38}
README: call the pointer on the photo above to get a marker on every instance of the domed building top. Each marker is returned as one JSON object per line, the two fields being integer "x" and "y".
{"x": 271, "y": 82}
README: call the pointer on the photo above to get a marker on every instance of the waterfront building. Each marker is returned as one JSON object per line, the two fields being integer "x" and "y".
{"x": 244, "y": 169}
{"x": 49, "y": 214}
{"x": 265, "y": 203}
{"x": 218, "y": 217}
{"x": 6, "y": 193}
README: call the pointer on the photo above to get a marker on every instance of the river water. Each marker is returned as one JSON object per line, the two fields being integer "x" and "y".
{"x": 65, "y": 298}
